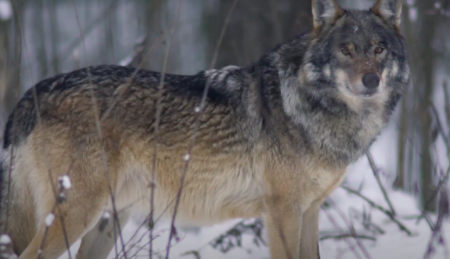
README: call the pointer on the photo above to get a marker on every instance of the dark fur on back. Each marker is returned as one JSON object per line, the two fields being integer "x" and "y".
{"x": 109, "y": 76}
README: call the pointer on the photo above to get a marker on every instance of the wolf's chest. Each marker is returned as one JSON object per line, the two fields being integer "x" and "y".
{"x": 320, "y": 183}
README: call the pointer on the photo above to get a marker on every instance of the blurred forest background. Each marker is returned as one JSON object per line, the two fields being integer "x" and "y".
{"x": 40, "y": 38}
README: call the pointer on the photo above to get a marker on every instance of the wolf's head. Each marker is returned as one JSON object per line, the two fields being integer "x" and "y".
{"x": 353, "y": 71}
{"x": 361, "y": 53}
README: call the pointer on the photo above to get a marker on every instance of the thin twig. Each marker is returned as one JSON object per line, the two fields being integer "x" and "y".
{"x": 387, "y": 212}
{"x": 442, "y": 214}
{"x": 156, "y": 133}
{"x": 377, "y": 176}
{"x": 434, "y": 194}
{"x": 336, "y": 225}
{"x": 11, "y": 162}
{"x": 350, "y": 227}
{"x": 347, "y": 235}
{"x": 99, "y": 131}
{"x": 45, "y": 151}
{"x": 124, "y": 89}
{"x": 65, "y": 54}
{"x": 447, "y": 174}
{"x": 440, "y": 128}
{"x": 198, "y": 114}
{"x": 47, "y": 226}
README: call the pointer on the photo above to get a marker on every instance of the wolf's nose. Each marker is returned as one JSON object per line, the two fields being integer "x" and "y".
{"x": 371, "y": 80}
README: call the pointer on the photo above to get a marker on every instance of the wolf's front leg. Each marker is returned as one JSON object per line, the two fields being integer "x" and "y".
{"x": 283, "y": 222}
{"x": 309, "y": 242}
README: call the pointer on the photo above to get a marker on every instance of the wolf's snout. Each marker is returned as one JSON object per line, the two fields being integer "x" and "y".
{"x": 371, "y": 80}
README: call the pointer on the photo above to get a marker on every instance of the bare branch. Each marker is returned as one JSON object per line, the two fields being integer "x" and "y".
{"x": 373, "y": 204}
{"x": 377, "y": 177}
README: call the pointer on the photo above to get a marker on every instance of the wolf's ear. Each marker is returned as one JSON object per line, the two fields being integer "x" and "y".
{"x": 390, "y": 11}
{"x": 325, "y": 12}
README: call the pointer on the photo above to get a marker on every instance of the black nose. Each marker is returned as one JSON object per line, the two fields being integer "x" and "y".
{"x": 371, "y": 80}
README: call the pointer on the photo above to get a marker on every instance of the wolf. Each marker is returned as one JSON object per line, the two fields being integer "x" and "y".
{"x": 271, "y": 139}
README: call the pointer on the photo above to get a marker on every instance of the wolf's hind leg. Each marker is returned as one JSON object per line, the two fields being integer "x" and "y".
{"x": 21, "y": 223}
{"x": 78, "y": 217}
{"x": 99, "y": 241}
{"x": 19, "y": 205}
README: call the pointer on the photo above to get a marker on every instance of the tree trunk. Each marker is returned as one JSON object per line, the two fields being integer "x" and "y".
{"x": 425, "y": 85}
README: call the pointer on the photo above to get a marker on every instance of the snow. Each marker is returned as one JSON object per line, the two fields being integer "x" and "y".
{"x": 106, "y": 215}
{"x": 4, "y": 239}
{"x": 413, "y": 14}
{"x": 126, "y": 61}
{"x": 49, "y": 219}
{"x": 5, "y": 10}
{"x": 65, "y": 182}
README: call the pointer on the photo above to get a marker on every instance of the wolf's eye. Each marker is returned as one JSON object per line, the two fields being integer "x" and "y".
{"x": 379, "y": 50}
{"x": 345, "y": 51}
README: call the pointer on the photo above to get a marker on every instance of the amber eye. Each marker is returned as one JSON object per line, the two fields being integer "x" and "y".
{"x": 379, "y": 50}
{"x": 345, "y": 51}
